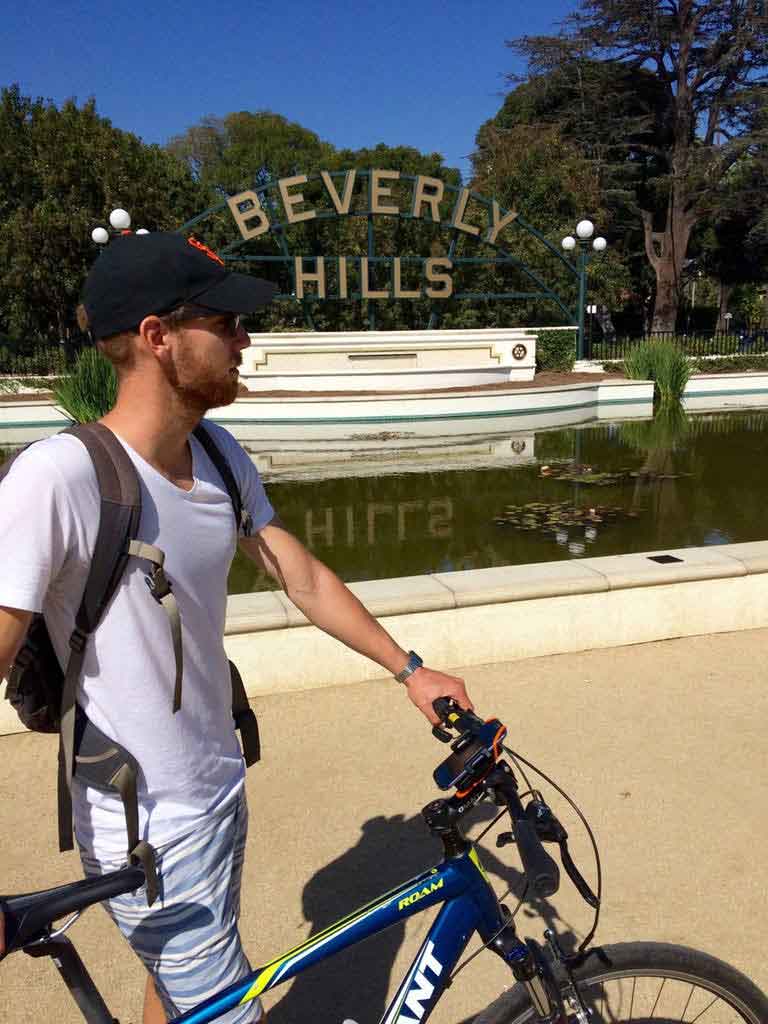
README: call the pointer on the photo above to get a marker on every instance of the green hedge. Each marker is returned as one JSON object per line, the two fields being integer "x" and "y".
{"x": 738, "y": 364}
{"x": 40, "y": 362}
{"x": 555, "y": 351}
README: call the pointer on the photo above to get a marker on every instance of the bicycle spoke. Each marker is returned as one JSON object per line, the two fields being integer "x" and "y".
{"x": 687, "y": 1003}
{"x": 705, "y": 1010}
{"x": 658, "y": 997}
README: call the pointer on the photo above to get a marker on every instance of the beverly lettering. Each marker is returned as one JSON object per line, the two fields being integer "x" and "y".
{"x": 426, "y": 197}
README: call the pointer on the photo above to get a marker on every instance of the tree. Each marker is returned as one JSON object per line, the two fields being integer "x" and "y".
{"x": 733, "y": 247}
{"x": 699, "y": 69}
{"x": 544, "y": 176}
{"x": 61, "y": 172}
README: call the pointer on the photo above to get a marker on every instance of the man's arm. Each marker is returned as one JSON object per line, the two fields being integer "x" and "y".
{"x": 331, "y": 606}
{"x": 14, "y": 624}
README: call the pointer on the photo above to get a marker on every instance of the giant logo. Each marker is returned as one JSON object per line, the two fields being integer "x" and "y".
{"x": 421, "y": 988}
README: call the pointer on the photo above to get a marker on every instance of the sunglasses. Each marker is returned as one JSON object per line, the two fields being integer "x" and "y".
{"x": 229, "y": 321}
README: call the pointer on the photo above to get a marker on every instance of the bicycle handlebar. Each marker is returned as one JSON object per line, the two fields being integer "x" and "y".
{"x": 531, "y": 825}
{"x": 541, "y": 872}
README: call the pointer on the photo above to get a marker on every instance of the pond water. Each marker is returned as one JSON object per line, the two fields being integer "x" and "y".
{"x": 604, "y": 489}
{"x": 405, "y": 507}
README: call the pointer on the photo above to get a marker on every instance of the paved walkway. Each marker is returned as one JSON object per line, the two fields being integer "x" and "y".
{"x": 662, "y": 745}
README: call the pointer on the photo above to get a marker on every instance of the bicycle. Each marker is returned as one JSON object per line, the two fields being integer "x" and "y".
{"x": 632, "y": 982}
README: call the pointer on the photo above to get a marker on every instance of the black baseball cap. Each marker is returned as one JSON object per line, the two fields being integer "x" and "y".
{"x": 137, "y": 275}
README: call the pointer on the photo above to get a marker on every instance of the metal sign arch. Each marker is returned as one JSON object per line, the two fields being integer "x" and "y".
{"x": 276, "y": 204}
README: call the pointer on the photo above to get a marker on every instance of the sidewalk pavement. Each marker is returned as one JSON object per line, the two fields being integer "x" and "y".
{"x": 662, "y": 746}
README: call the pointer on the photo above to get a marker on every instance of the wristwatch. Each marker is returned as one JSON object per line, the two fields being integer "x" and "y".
{"x": 414, "y": 662}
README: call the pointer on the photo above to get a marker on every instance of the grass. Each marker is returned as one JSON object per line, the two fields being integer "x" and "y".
{"x": 663, "y": 362}
{"x": 90, "y": 390}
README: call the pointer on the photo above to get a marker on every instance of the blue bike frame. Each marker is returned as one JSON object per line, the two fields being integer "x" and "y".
{"x": 470, "y": 905}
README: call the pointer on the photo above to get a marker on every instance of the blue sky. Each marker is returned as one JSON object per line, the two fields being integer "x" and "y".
{"x": 425, "y": 74}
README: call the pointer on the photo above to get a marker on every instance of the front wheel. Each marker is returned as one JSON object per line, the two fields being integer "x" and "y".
{"x": 647, "y": 983}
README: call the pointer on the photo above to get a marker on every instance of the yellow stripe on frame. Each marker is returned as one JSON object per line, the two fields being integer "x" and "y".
{"x": 475, "y": 858}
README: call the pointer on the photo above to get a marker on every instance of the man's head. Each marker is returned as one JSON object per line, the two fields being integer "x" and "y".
{"x": 171, "y": 301}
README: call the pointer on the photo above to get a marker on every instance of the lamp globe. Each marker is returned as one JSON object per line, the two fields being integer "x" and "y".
{"x": 120, "y": 219}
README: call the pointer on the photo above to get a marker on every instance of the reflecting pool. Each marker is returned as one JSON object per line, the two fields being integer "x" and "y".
{"x": 603, "y": 489}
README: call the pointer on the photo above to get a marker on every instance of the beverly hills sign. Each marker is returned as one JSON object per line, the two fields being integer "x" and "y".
{"x": 253, "y": 220}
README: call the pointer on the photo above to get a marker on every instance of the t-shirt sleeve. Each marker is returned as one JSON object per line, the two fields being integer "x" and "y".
{"x": 36, "y": 530}
{"x": 252, "y": 493}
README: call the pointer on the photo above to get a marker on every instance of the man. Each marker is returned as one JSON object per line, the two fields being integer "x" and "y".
{"x": 164, "y": 311}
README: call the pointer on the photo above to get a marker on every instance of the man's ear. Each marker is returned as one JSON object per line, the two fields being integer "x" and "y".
{"x": 154, "y": 334}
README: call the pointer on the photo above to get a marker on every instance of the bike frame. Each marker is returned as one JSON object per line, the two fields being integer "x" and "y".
{"x": 470, "y": 905}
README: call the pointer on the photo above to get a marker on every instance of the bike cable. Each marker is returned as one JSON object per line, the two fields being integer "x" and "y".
{"x": 519, "y": 757}
{"x": 493, "y": 938}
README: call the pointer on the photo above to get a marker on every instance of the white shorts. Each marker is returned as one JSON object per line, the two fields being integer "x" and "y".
{"x": 188, "y": 939}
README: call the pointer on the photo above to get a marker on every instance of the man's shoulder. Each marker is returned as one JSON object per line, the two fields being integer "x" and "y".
{"x": 60, "y": 457}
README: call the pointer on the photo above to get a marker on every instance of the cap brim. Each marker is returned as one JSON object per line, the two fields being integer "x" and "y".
{"x": 237, "y": 293}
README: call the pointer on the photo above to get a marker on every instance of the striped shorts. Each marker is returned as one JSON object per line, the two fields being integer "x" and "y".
{"x": 188, "y": 939}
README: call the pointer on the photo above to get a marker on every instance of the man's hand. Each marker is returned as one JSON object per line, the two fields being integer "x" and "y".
{"x": 426, "y": 685}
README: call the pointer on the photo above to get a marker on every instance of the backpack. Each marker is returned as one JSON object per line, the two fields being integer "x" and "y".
{"x": 43, "y": 694}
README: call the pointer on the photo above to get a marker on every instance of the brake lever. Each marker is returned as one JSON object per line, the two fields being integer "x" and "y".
{"x": 576, "y": 877}
{"x": 550, "y": 830}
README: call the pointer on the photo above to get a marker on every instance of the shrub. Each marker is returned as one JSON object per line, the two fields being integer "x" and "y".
{"x": 90, "y": 390}
{"x": 555, "y": 351}
{"x": 664, "y": 363}
{"x": 40, "y": 361}
{"x": 737, "y": 364}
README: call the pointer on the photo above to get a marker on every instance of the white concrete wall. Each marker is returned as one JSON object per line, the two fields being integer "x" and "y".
{"x": 509, "y": 613}
{"x": 387, "y": 360}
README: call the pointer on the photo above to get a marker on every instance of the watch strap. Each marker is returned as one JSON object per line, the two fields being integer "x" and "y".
{"x": 414, "y": 662}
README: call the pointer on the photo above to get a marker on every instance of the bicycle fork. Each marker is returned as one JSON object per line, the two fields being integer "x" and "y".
{"x": 532, "y": 969}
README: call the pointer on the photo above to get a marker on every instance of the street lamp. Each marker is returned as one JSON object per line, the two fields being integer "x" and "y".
{"x": 120, "y": 222}
{"x": 585, "y": 229}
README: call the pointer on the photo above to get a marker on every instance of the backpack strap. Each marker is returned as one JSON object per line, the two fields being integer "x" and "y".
{"x": 106, "y": 765}
{"x": 243, "y": 519}
{"x": 120, "y": 513}
{"x": 245, "y": 719}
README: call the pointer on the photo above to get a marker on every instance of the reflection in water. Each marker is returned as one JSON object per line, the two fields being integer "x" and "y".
{"x": 679, "y": 481}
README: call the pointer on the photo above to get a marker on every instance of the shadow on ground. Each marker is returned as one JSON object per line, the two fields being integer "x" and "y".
{"x": 354, "y": 984}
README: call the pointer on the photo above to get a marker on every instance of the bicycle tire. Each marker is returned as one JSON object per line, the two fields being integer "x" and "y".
{"x": 654, "y": 960}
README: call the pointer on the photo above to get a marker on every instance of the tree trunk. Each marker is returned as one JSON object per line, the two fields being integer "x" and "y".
{"x": 667, "y": 297}
{"x": 666, "y": 252}
{"x": 725, "y": 290}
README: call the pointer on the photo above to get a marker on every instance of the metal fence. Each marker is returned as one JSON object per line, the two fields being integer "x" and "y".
{"x": 702, "y": 343}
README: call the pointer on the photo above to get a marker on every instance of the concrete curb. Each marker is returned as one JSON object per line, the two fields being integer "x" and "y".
{"x": 508, "y": 613}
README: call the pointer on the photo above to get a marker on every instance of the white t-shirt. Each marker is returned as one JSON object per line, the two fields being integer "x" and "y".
{"x": 49, "y": 517}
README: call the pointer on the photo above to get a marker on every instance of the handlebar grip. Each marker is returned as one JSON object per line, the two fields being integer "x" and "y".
{"x": 442, "y": 707}
{"x": 542, "y": 874}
